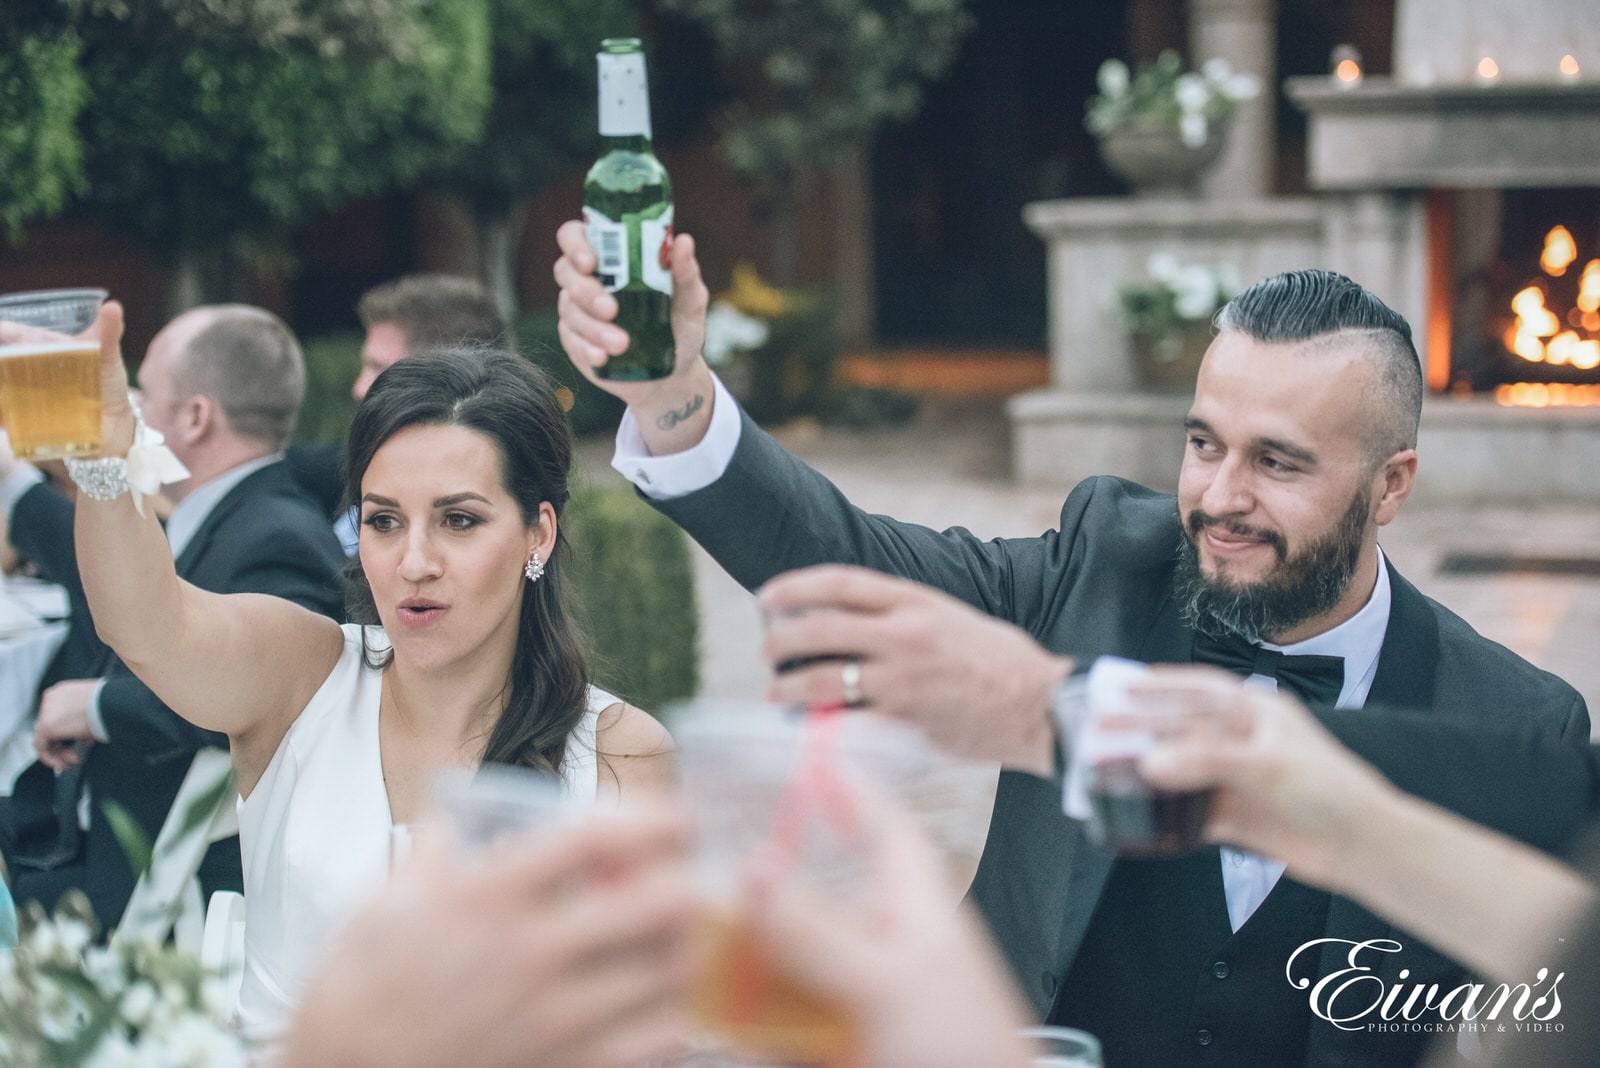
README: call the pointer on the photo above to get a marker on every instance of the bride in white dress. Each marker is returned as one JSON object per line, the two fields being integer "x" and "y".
{"x": 458, "y": 463}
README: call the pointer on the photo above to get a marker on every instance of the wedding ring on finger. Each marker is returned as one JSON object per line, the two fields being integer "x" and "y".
{"x": 850, "y": 675}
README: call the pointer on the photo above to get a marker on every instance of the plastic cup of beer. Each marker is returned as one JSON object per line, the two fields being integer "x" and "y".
{"x": 50, "y": 372}
{"x": 761, "y": 782}
{"x": 1109, "y": 724}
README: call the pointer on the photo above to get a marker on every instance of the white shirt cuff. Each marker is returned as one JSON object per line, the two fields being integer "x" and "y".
{"x": 97, "y": 725}
{"x": 679, "y": 474}
{"x": 22, "y": 478}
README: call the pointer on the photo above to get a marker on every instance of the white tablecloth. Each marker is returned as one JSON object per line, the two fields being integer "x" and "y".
{"x": 32, "y": 628}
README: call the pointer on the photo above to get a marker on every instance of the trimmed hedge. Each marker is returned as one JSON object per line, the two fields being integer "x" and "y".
{"x": 593, "y": 411}
{"x": 332, "y": 363}
{"x": 334, "y": 360}
{"x": 633, "y": 595}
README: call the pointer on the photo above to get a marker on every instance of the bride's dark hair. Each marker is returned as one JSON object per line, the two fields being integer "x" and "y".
{"x": 513, "y": 404}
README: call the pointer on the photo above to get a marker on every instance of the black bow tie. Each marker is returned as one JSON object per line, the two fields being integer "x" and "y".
{"x": 1316, "y": 680}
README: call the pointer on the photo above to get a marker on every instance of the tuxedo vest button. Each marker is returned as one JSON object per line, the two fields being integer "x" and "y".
{"x": 1220, "y": 969}
{"x": 1202, "y": 1037}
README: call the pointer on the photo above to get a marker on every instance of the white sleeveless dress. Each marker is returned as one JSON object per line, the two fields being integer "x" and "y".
{"x": 315, "y": 831}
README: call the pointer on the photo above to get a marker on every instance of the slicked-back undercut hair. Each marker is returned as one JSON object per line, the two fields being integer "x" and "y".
{"x": 436, "y": 311}
{"x": 1299, "y": 306}
{"x": 248, "y": 361}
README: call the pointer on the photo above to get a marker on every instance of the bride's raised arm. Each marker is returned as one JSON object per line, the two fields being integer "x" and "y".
{"x": 243, "y": 664}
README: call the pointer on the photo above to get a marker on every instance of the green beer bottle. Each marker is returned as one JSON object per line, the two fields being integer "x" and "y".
{"x": 627, "y": 207}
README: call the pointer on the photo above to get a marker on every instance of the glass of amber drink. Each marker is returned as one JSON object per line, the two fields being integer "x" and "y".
{"x": 764, "y": 784}
{"x": 50, "y": 372}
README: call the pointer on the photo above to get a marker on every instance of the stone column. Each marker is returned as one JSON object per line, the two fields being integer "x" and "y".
{"x": 1243, "y": 32}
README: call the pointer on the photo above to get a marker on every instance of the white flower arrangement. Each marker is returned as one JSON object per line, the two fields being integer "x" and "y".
{"x": 1177, "y": 294}
{"x": 1189, "y": 102}
{"x": 730, "y": 331}
{"x": 66, "y": 1002}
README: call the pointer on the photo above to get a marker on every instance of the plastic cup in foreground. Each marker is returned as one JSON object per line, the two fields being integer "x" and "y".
{"x": 496, "y": 801}
{"x": 1064, "y": 1047}
{"x": 49, "y": 374}
{"x": 1109, "y": 727}
{"x": 761, "y": 781}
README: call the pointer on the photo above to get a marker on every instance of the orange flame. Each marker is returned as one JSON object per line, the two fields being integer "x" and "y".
{"x": 1559, "y": 252}
{"x": 1547, "y": 395}
{"x": 1488, "y": 69}
{"x": 1569, "y": 66}
{"x": 1538, "y": 335}
{"x": 1589, "y": 290}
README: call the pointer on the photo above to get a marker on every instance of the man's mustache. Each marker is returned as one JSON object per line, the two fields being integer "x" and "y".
{"x": 1199, "y": 521}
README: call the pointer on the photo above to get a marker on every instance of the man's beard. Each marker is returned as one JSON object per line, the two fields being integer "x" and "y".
{"x": 1298, "y": 588}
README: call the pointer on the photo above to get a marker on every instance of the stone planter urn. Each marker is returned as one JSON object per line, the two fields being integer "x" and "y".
{"x": 1169, "y": 364}
{"x": 1149, "y": 155}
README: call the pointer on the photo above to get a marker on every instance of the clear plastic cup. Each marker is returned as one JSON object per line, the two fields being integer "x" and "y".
{"x": 1064, "y": 1047}
{"x": 763, "y": 782}
{"x": 1109, "y": 725}
{"x": 50, "y": 372}
{"x": 496, "y": 801}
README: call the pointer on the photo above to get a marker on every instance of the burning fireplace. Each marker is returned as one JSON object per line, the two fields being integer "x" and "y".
{"x": 1523, "y": 315}
{"x": 1464, "y": 191}
{"x": 1484, "y": 154}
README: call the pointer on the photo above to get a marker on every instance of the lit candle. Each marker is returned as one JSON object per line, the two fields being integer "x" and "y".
{"x": 1570, "y": 70}
{"x": 1346, "y": 64}
{"x": 1488, "y": 71}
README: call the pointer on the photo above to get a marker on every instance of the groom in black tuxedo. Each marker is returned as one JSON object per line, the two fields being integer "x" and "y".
{"x": 1301, "y": 446}
{"x": 224, "y": 385}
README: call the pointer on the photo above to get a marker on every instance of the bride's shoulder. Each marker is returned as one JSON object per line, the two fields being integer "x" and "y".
{"x": 634, "y": 746}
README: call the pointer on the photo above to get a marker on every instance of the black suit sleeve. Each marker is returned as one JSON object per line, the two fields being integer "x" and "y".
{"x": 1515, "y": 778}
{"x": 319, "y": 472}
{"x": 770, "y": 512}
{"x": 41, "y": 530}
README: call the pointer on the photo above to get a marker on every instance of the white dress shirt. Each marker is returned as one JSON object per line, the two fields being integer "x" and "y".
{"x": 1246, "y": 878}
{"x": 681, "y": 473}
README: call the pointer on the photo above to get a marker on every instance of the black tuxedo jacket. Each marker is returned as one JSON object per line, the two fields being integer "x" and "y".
{"x": 264, "y": 536}
{"x": 319, "y": 472}
{"x": 41, "y": 530}
{"x": 1101, "y": 585}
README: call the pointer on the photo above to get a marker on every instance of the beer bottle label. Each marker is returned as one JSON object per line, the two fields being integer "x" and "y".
{"x": 609, "y": 239}
{"x": 655, "y": 250}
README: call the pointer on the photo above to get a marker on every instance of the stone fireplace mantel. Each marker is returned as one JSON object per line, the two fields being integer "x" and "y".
{"x": 1384, "y": 135}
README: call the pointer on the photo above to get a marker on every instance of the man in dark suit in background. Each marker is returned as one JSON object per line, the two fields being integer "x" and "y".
{"x": 223, "y": 384}
{"x": 1302, "y": 443}
{"x": 408, "y": 315}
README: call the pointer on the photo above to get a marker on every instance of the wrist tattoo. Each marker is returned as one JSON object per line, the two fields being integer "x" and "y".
{"x": 678, "y": 415}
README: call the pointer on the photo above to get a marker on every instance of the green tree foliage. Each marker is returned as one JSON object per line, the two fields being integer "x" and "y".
{"x": 633, "y": 595}
{"x": 818, "y": 76}
{"x": 41, "y": 93}
{"x": 199, "y": 132}
{"x": 387, "y": 28}
{"x": 541, "y": 121}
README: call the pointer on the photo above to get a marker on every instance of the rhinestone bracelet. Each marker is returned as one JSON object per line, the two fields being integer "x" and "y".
{"x": 148, "y": 466}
